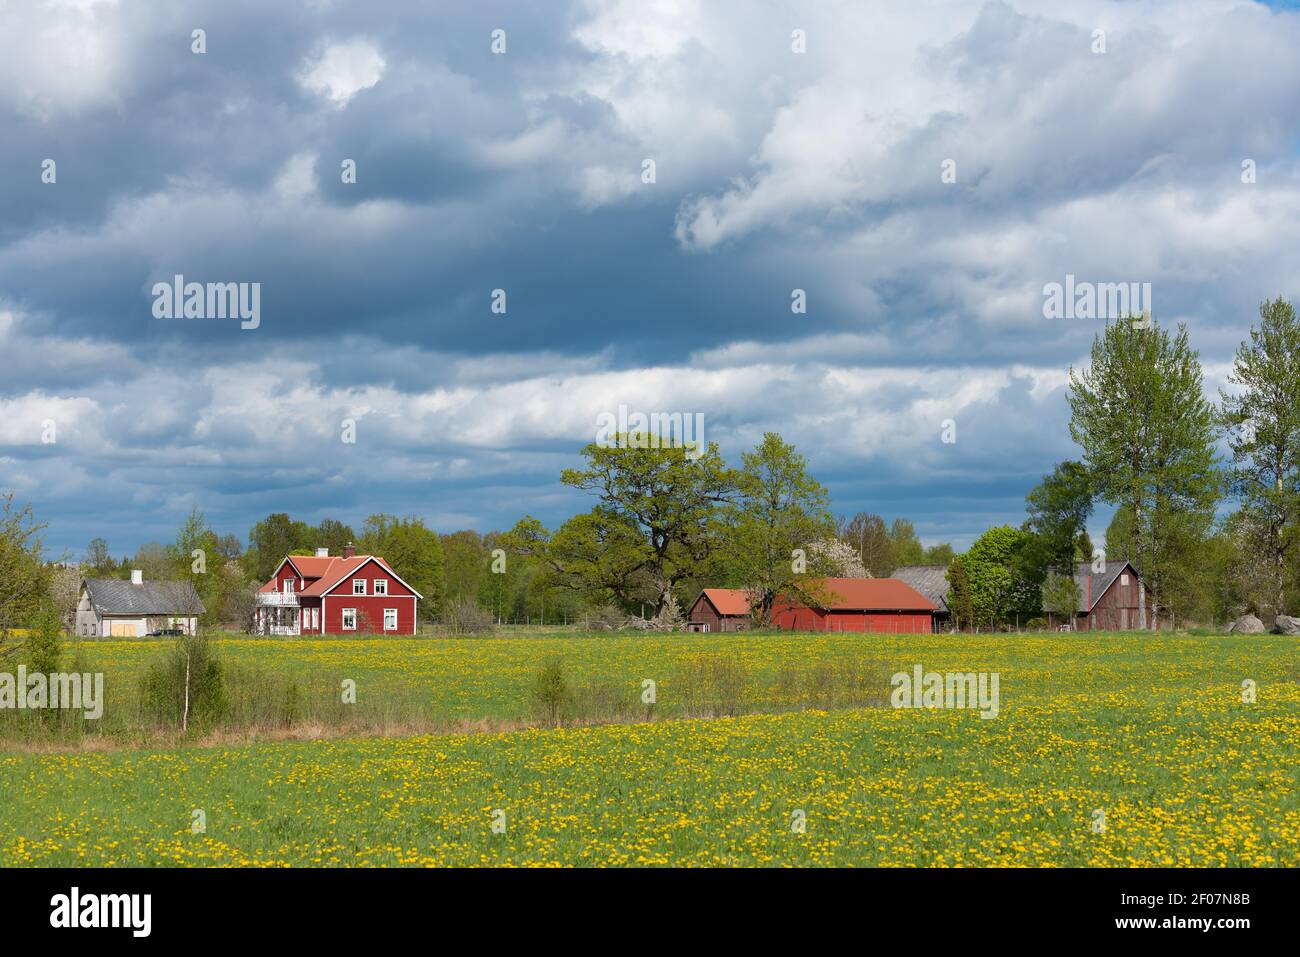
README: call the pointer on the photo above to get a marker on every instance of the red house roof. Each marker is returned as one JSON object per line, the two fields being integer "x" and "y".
{"x": 321, "y": 574}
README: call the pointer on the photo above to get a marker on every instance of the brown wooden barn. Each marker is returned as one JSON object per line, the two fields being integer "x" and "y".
{"x": 720, "y": 609}
{"x": 1108, "y": 600}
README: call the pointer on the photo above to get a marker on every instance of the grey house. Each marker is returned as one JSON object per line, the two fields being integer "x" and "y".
{"x": 113, "y": 608}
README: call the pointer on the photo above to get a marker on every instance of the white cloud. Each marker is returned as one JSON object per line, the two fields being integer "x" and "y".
{"x": 58, "y": 56}
{"x": 297, "y": 178}
{"x": 342, "y": 70}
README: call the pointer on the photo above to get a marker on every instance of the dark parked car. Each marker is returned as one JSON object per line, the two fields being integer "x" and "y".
{"x": 161, "y": 632}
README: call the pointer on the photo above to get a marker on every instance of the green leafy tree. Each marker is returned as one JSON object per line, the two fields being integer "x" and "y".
{"x": 778, "y": 509}
{"x": 1058, "y": 510}
{"x": 1061, "y": 596}
{"x": 662, "y": 497}
{"x": 467, "y": 562}
{"x": 99, "y": 563}
{"x": 1147, "y": 433}
{"x": 1263, "y": 421}
{"x": 333, "y": 535}
{"x": 196, "y": 545}
{"x": 270, "y": 540}
{"x": 941, "y": 554}
{"x": 1121, "y": 536}
{"x": 227, "y": 548}
{"x": 961, "y": 601}
{"x": 905, "y": 548}
{"x": 1000, "y": 588}
{"x": 868, "y": 533}
{"x": 44, "y": 644}
{"x": 599, "y": 555}
{"x": 413, "y": 551}
{"x": 156, "y": 561}
{"x": 500, "y": 584}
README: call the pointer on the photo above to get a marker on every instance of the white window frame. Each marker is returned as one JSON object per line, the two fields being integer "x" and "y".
{"x": 355, "y": 583}
{"x": 288, "y": 586}
{"x": 353, "y": 613}
{"x": 381, "y": 586}
{"x": 1123, "y": 579}
{"x": 393, "y": 626}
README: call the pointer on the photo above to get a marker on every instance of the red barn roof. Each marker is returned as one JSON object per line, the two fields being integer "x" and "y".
{"x": 728, "y": 601}
{"x": 873, "y": 594}
{"x": 844, "y": 594}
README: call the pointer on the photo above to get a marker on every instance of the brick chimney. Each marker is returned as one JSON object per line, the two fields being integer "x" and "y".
{"x": 349, "y": 550}
{"x": 137, "y": 577}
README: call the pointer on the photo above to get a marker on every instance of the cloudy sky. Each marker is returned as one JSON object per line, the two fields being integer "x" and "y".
{"x": 774, "y": 170}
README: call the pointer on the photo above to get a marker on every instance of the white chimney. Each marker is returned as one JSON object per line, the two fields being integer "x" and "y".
{"x": 322, "y": 553}
{"x": 137, "y": 577}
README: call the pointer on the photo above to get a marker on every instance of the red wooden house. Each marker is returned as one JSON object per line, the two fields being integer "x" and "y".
{"x": 323, "y": 594}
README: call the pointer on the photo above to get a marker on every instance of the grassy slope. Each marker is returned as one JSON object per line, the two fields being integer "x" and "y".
{"x": 1150, "y": 729}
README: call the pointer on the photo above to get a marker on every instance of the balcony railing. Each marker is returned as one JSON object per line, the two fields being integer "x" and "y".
{"x": 279, "y": 598}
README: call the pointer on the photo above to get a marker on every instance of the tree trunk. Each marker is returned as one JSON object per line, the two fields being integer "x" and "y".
{"x": 1142, "y": 591}
{"x": 185, "y": 715}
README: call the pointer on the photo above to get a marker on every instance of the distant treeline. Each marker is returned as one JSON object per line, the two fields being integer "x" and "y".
{"x": 669, "y": 520}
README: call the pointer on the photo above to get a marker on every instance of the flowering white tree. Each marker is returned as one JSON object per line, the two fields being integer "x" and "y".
{"x": 836, "y": 559}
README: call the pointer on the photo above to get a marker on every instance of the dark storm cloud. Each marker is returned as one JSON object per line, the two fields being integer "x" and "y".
{"x": 775, "y": 172}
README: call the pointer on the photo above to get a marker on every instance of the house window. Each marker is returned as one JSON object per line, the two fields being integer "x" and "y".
{"x": 288, "y": 586}
{"x": 349, "y": 619}
{"x": 358, "y": 586}
{"x": 381, "y": 586}
{"x": 390, "y": 619}
{"x": 1123, "y": 579}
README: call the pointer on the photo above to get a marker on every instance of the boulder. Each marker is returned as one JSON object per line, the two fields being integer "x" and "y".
{"x": 1247, "y": 625}
{"x": 1286, "y": 625}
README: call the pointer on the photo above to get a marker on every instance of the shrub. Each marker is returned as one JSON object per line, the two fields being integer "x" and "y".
{"x": 44, "y": 646}
{"x": 551, "y": 695}
{"x": 291, "y": 711}
{"x": 464, "y": 616}
{"x": 604, "y": 618}
{"x": 187, "y": 687}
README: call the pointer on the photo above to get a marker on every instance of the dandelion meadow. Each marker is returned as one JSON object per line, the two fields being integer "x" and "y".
{"x": 1149, "y": 730}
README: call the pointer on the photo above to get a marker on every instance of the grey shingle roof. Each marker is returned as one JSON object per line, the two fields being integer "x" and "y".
{"x": 1100, "y": 582}
{"x": 113, "y": 596}
{"x": 930, "y": 580}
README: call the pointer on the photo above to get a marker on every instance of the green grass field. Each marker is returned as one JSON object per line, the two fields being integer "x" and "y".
{"x": 1150, "y": 731}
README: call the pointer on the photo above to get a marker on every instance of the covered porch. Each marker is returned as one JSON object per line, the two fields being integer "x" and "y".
{"x": 278, "y": 613}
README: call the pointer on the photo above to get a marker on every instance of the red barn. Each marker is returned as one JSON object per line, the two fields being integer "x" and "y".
{"x": 720, "y": 609}
{"x": 861, "y": 604}
{"x": 326, "y": 595}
